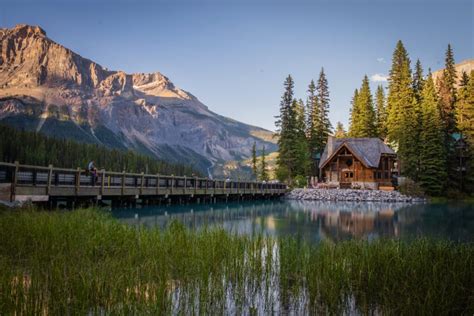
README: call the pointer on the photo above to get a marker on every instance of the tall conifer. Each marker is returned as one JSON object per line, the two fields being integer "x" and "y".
{"x": 254, "y": 160}
{"x": 447, "y": 101}
{"x": 432, "y": 150}
{"x": 418, "y": 81}
{"x": 314, "y": 126}
{"x": 363, "y": 119}
{"x": 263, "y": 166}
{"x": 285, "y": 126}
{"x": 402, "y": 113}
{"x": 323, "y": 100}
{"x": 447, "y": 91}
{"x": 300, "y": 143}
{"x": 465, "y": 121}
{"x": 381, "y": 114}
{"x": 354, "y": 114}
{"x": 312, "y": 109}
{"x": 400, "y": 92}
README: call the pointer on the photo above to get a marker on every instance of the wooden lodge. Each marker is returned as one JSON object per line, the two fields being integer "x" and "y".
{"x": 366, "y": 163}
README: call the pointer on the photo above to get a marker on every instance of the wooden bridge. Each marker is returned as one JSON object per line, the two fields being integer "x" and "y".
{"x": 42, "y": 184}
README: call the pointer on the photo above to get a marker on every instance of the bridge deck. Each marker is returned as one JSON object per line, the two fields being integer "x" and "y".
{"x": 36, "y": 183}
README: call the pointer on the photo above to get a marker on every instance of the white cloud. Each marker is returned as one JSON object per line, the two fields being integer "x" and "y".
{"x": 381, "y": 60}
{"x": 379, "y": 78}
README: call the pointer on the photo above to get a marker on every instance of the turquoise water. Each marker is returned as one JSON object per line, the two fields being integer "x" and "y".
{"x": 317, "y": 220}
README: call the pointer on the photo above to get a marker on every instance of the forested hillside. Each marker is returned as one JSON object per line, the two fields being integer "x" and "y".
{"x": 36, "y": 149}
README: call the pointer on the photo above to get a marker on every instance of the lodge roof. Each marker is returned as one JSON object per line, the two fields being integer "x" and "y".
{"x": 367, "y": 150}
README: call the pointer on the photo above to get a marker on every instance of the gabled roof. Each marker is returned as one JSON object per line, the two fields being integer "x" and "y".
{"x": 367, "y": 150}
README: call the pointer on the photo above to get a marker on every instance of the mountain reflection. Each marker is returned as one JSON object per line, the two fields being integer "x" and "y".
{"x": 317, "y": 220}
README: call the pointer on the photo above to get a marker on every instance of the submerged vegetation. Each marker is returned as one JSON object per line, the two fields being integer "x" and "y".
{"x": 85, "y": 261}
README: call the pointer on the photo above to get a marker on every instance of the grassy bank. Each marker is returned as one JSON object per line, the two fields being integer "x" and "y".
{"x": 85, "y": 261}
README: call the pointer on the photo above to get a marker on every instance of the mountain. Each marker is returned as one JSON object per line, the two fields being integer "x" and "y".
{"x": 466, "y": 65}
{"x": 49, "y": 88}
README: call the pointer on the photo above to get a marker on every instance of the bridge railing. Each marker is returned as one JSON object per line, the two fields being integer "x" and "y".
{"x": 52, "y": 177}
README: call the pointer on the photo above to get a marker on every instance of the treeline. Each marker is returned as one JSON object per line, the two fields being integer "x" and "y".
{"x": 36, "y": 149}
{"x": 430, "y": 124}
{"x": 259, "y": 169}
{"x": 303, "y": 129}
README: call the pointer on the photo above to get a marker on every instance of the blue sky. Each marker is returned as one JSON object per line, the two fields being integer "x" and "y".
{"x": 235, "y": 55}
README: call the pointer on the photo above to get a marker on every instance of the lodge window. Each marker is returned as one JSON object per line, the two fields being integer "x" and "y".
{"x": 386, "y": 175}
{"x": 348, "y": 175}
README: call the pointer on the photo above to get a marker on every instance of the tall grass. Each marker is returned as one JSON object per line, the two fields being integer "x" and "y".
{"x": 86, "y": 262}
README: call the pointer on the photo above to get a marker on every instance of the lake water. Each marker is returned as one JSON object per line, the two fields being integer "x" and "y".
{"x": 317, "y": 220}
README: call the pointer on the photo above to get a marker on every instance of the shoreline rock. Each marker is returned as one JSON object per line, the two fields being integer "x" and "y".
{"x": 351, "y": 195}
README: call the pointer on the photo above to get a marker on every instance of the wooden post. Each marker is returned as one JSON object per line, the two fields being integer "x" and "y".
{"x": 195, "y": 185}
{"x": 50, "y": 176}
{"x": 157, "y": 184}
{"x": 102, "y": 184}
{"x": 185, "y": 180}
{"x": 141, "y": 183}
{"x": 123, "y": 182}
{"x": 35, "y": 174}
{"x": 78, "y": 180}
{"x": 172, "y": 183}
{"x": 15, "y": 181}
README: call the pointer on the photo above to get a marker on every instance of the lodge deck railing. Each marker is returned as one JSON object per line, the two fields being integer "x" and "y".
{"x": 38, "y": 182}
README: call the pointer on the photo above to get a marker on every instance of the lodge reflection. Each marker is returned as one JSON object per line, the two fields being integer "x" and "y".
{"x": 311, "y": 220}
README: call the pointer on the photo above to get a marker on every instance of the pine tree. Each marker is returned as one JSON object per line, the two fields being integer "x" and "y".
{"x": 285, "y": 124}
{"x": 323, "y": 100}
{"x": 402, "y": 114}
{"x": 381, "y": 114}
{"x": 312, "y": 110}
{"x": 263, "y": 166}
{"x": 363, "y": 120}
{"x": 465, "y": 124}
{"x": 313, "y": 127}
{"x": 254, "y": 160}
{"x": 400, "y": 93}
{"x": 447, "y": 91}
{"x": 412, "y": 157}
{"x": 432, "y": 151}
{"x": 418, "y": 81}
{"x": 354, "y": 115}
{"x": 300, "y": 142}
{"x": 447, "y": 102}
{"x": 465, "y": 107}
{"x": 340, "y": 131}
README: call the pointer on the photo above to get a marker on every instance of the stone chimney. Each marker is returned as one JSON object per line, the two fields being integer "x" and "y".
{"x": 330, "y": 145}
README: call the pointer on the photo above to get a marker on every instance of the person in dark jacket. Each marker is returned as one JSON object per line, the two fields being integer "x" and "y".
{"x": 91, "y": 169}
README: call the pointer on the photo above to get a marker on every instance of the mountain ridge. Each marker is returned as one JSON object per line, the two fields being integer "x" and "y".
{"x": 48, "y": 87}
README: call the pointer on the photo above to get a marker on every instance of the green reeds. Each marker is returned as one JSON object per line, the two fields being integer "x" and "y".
{"x": 86, "y": 262}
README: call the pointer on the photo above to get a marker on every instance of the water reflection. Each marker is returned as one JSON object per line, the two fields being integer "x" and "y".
{"x": 316, "y": 220}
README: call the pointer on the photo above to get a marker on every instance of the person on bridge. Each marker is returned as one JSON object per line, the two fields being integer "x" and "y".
{"x": 93, "y": 171}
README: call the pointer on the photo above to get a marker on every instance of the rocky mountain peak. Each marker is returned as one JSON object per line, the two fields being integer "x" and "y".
{"x": 24, "y": 30}
{"x": 50, "y": 88}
